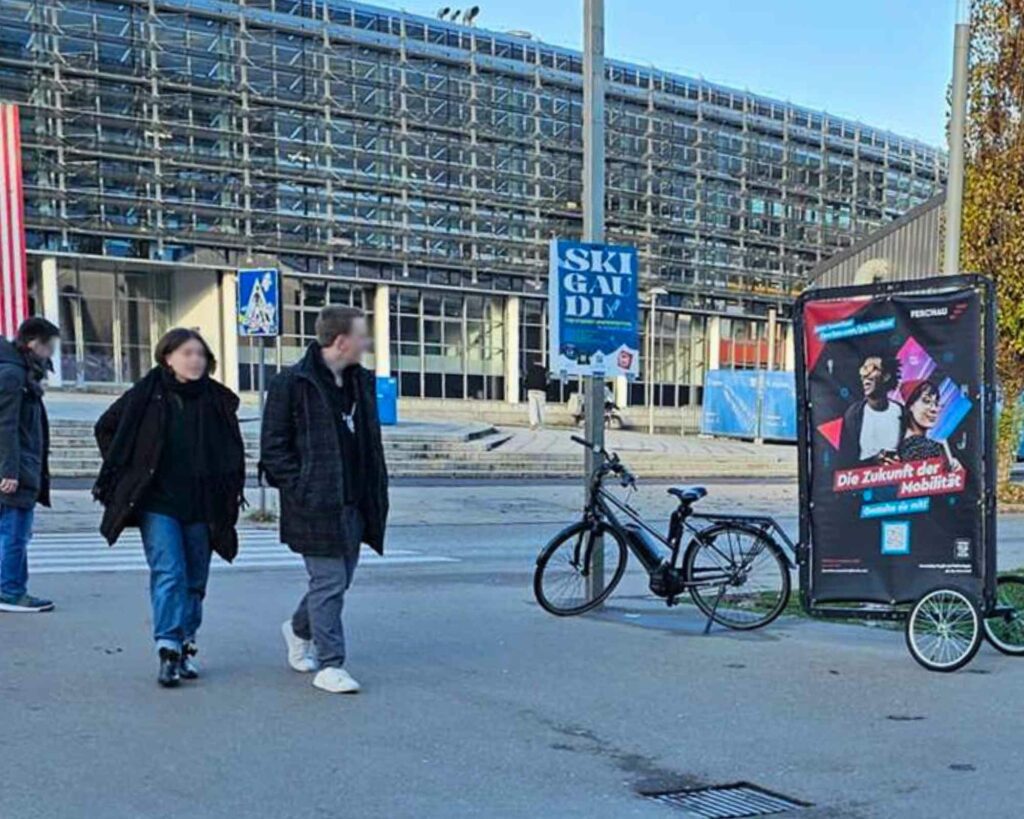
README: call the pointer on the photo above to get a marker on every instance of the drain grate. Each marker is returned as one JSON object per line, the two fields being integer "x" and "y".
{"x": 728, "y": 801}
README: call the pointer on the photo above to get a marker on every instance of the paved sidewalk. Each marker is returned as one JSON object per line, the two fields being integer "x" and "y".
{"x": 558, "y": 441}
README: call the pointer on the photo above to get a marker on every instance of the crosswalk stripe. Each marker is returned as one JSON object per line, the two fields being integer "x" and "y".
{"x": 114, "y": 566}
{"x": 71, "y": 552}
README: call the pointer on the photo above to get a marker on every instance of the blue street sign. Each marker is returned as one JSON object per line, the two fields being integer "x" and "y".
{"x": 259, "y": 302}
{"x": 593, "y": 309}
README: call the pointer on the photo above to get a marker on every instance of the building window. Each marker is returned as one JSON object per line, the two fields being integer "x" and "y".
{"x": 110, "y": 323}
{"x": 675, "y": 375}
{"x": 301, "y": 302}
{"x": 448, "y": 345}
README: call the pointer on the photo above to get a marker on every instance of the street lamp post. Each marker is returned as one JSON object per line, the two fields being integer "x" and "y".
{"x": 957, "y": 127}
{"x": 593, "y": 231}
{"x": 653, "y": 293}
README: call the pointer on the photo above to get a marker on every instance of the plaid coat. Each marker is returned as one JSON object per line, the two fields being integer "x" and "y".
{"x": 300, "y": 454}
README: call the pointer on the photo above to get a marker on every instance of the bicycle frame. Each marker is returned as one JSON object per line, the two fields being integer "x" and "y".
{"x": 602, "y": 508}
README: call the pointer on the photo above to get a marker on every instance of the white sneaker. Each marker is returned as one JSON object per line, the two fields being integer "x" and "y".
{"x": 335, "y": 681}
{"x": 301, "y": 655}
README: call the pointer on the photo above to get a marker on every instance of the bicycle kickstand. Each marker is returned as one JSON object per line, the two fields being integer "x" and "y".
{"x": 714, "y": 609}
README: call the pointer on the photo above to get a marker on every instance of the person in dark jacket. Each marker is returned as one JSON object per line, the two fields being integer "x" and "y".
{"x": 536, "y": 393}
{"x": 174, "y": 465}
{"x": 24, "y": 454}
{"x": 321, "y": 447}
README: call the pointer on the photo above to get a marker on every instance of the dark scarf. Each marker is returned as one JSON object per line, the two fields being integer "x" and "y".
{"x": 354, "y": 445}
{"x": 217, "y": 452}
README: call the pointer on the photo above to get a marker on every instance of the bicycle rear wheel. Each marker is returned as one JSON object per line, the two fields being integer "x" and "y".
{"x": 753, "y": 571}
{"x": 565, "y": 568}
{"x": 1005, "y": 629}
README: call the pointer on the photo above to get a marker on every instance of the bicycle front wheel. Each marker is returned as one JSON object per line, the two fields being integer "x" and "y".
{"x": 1005, "y": 628}
{"x": 574, "y": 574}
{"x": 943, "y": 630}
{"x": 738, "y": 576}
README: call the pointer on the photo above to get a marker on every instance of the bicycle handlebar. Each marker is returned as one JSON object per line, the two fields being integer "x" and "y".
{"x": 612, "y": 461}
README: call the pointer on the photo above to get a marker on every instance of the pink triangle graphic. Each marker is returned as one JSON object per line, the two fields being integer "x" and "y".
{"x": 832, "y": 430}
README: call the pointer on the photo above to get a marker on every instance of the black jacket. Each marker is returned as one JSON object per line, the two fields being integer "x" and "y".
{"x": 142, "y": 413}
{"x": 300, "y": 454}
{"x": 24, "y": 431}
{"x": 536, "y": 378}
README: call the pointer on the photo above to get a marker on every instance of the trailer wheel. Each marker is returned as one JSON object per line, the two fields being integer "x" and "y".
{"x": 944, "y": 630}
{"x": 1005, "y": 628}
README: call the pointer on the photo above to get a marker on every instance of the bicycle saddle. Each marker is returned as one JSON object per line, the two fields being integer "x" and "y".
{"x": 688, "y": 494}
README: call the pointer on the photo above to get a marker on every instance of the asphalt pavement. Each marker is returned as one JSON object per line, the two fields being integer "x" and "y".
{"x": 476, "y": 702}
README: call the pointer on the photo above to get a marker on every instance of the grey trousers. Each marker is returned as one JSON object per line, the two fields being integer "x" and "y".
{"x": 318, "y": 616}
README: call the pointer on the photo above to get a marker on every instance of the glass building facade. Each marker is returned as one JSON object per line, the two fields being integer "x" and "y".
{"x": 418, "y": 168}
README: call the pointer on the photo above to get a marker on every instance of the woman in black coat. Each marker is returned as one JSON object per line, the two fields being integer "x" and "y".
{"x": 174, "y": 465}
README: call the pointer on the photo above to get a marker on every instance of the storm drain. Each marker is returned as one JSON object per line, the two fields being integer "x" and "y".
{"x": 727, "y": 801}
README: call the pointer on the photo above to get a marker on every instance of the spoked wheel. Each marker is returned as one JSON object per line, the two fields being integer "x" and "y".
{"x": 753, "y": 571}
{"x": 1005, "y": 628}
{"x": 944, "y": 630}
{"x": 563, "y": 579}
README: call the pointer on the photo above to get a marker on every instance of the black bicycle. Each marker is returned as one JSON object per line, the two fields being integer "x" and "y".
{"x": 733, "y": 568}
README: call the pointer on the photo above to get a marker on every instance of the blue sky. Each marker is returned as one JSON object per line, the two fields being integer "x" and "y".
{"x": 884, "y": 62}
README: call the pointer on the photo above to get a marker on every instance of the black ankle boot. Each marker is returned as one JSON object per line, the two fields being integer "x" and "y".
{"x": 169, "y": 668}
{"x": 187, "y": 669}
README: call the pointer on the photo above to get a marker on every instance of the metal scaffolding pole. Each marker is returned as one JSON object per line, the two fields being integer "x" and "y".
{"x": 957, "y": 126}
{"x": 593, "y": 231}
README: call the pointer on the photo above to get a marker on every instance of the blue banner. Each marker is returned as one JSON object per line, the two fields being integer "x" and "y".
{"x": 730, "y": 403}
{"x": 749, "y": 404}
{"x": 258, "y": 302}
{"x": 593, "y": 309}
{"x": 778, "y": 406}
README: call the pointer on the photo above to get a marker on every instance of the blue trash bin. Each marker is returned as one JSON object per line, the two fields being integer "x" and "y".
{"x": 387, "y": 400}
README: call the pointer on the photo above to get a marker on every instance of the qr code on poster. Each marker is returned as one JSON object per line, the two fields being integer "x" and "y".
{"x": 896, "y": 537}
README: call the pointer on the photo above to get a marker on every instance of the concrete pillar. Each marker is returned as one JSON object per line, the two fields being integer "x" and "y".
{"x": 621, "y": 391}
{"x": 512, "y": 344}
{"x": 50, "y": 307}
{"x": 382, "y": 330}
{"x": 772, "y": 324}
{"x": 196, "y": 302}
{"x": 790, "y": 363}
{"x": 227, "y": 372}
{"x": 714, "y": 343}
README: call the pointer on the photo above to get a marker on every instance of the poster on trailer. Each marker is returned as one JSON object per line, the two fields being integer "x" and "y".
{"x": 593, "y": 309}
{"x": 896, "y": 453}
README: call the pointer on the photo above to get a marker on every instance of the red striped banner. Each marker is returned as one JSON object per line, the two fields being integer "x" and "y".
{"x": 13, "y": 278}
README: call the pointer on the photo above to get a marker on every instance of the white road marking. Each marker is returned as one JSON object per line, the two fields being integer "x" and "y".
{"x": 76, "y": 552}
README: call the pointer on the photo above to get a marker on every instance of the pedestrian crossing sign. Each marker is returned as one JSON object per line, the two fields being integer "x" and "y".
{"x": 258, "y": 302}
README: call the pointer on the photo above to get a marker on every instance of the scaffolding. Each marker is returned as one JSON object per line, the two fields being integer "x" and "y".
{"x": 350, "y": 140}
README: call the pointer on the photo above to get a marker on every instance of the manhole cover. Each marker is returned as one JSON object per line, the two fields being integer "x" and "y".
{"x": 726, "y": 801}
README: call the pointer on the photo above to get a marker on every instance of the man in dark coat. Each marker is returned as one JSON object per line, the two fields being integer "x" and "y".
{"x": 24, "y": 455}
{"x": 321, "y": 447}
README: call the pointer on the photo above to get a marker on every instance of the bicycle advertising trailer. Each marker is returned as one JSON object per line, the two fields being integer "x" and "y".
{"x": 897, "y": 469}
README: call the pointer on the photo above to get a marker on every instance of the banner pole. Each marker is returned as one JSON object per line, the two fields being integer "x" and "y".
{"x": 263, "y": 394}
{"x": 593, "y": 231}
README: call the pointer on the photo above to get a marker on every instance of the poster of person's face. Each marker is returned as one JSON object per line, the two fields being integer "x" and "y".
{"x": 895, "y": 438}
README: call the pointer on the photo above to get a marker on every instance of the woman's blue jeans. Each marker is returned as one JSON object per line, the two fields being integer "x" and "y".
{"x": 179, "y": 567}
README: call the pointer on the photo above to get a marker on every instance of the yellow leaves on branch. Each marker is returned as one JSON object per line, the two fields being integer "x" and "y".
{"x": 993, "y": 218}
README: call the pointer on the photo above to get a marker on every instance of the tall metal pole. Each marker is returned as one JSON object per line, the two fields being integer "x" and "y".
{"x": 263, "y": 400}
{"x": 650, "y": 365}
{"x": 957, "y": 127}
{"x": 593, "y": 231}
